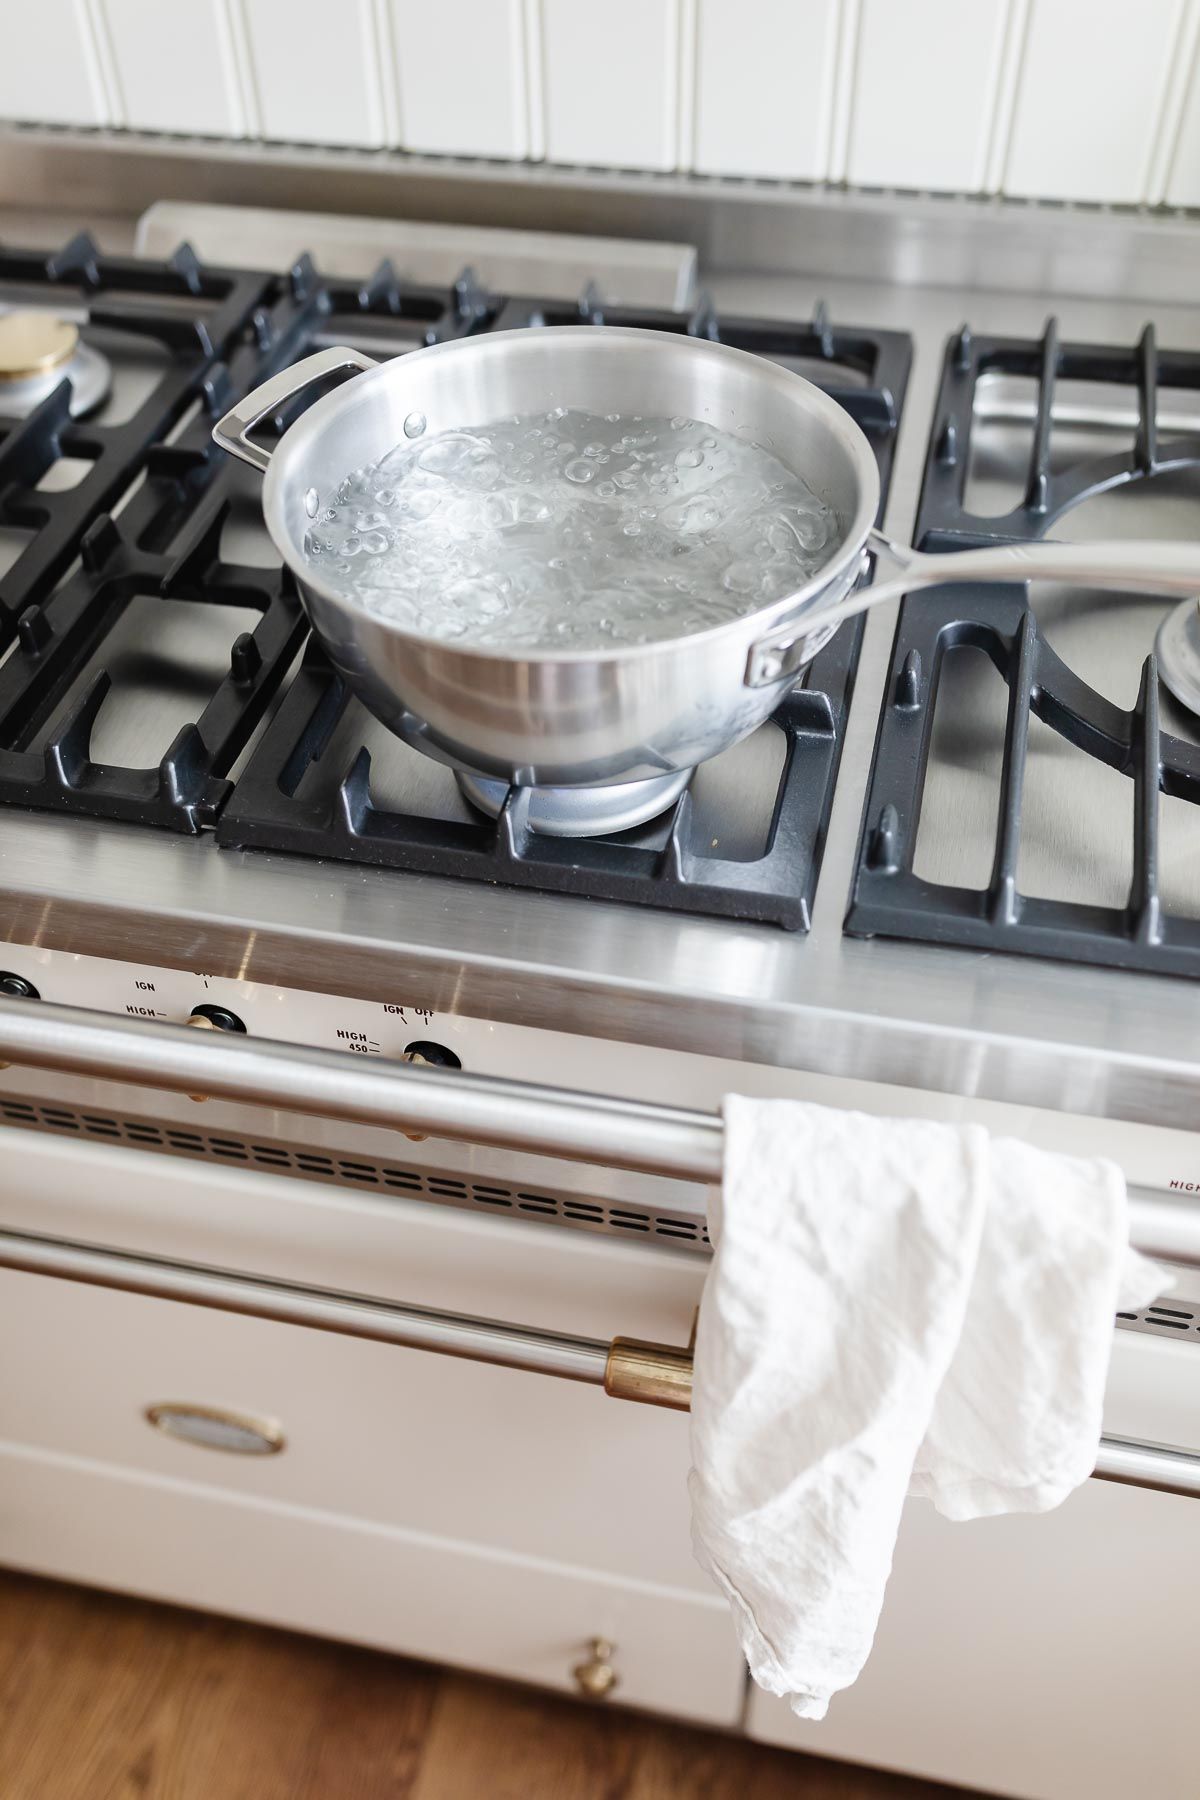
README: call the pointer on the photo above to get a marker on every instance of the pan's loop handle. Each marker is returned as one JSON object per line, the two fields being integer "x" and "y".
{"x": 232, "y": 432}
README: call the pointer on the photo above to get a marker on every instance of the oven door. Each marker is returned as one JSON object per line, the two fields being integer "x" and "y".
{"x": 214, "y": 1455}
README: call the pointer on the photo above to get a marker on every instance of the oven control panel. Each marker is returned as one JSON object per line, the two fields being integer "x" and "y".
{"x": 386, "y": 1027}
{"x": 393, "y": 1026}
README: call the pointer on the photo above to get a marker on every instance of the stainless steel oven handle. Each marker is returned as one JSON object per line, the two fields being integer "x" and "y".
{"x": 332, "y": 1084}
{"x": 636, "y": 1135}
{"x": 627, "y": 1368}
{"x": 232, "y": 432}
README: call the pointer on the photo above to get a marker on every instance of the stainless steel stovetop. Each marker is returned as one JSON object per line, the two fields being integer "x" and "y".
{"x": 1040, "y": 1033}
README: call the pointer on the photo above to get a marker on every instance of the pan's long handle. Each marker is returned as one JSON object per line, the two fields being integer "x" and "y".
{"x": 1126, "y": 568}
{"x": 232, "y": 432}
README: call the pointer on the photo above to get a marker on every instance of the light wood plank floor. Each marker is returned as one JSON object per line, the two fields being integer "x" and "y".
{"x": 105, "y": 1698}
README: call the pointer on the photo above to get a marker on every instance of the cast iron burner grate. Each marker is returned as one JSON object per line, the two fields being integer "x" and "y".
{"x": 293, "y": 797}
{"x": 148, "y": 522}
{"x": 148, "y": 518}
{"x": 888, "y": 898}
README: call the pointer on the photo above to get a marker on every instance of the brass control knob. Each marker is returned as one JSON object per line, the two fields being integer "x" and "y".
{"x": 33, "y": 343}
{"x": 596, "y": 1678}
{"x": 213, "y": 1018}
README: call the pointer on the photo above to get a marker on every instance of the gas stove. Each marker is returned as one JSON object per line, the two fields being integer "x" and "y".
{"x": 184, "y": 784}
{"x": 974, "y": 910}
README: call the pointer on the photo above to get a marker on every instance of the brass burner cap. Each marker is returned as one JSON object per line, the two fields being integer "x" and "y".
{"x": 33, "y": 343}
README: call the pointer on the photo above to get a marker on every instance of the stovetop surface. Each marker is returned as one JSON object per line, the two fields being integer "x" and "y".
{"x": 1032, "y": 1032}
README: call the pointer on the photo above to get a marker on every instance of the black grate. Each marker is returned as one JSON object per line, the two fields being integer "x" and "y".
{"x": 291, "y": 797}
{"x": 149, "y": 521}
{"x": 148, "y": 518}
{"x": 888, "y": 897}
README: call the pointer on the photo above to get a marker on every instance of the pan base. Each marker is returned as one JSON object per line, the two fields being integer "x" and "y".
{"x": 582, "y": 811}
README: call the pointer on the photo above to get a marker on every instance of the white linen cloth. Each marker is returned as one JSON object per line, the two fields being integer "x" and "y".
{"x": 894, "y": 1306}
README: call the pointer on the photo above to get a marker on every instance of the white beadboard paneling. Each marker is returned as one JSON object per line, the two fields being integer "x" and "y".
{"x": 1092, "y": 86}
{"x": 611, "y": 82}
{"x": 926, "y": 77}
{"x": 461, "y": 74}
{"x": 764, "y": 86}
{"x": 174, "y": 67}
{"x": 315, "y": 72}
{"x": 1182, "y": 183}
{"x": 843, "y": 86}
{"x": 49, "y": 69}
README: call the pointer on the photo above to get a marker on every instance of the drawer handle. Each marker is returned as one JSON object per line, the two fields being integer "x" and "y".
{"x": 216, "y": 1428}
{"x": 596, "y": 1678}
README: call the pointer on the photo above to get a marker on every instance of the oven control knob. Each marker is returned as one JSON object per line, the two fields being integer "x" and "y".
{"x": 15, "y": 987}
{"x": 213, "y": 1018}
{"x": 435, "y": 1056}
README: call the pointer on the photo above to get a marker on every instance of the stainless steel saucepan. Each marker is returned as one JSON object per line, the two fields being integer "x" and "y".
{"x": 639, "y": 713}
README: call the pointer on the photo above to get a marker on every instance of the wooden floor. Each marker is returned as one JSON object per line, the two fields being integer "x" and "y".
{"x": 104, "y": 1698}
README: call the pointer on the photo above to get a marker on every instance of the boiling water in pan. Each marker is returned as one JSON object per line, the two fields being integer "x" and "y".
{"x": 568, "y": 530}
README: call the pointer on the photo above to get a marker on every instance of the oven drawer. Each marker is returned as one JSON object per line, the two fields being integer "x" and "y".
{"x": 521, "y": 1617}
{"x": 1046, "y": 1658}
{"x": 389, "y": 1437}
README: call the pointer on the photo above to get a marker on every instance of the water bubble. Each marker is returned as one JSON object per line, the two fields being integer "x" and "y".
{"x": 688, "y": 458}
{"x": 448, "y": 454}
{"x": 740, "y": 577}
{"x": 579, "y": 470}
{"x": 499, "y": 511}
{"x": 414, "y": 424}
{"x": 311, "y": 502}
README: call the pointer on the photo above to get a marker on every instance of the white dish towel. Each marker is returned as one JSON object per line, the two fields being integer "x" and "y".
{"x": 894, "y": 1306}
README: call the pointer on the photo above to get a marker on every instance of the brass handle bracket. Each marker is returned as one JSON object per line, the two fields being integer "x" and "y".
{"x": 655, "y": 1374}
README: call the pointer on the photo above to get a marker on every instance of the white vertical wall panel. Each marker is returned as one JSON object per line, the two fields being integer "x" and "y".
{"x": 174, "y": 66}
{"x": 764, "y": 86}
{"x": 461, "y": 76}
{"x": 1090, "y": 94}
{"x": 1183, "y": 175}
{"x": 49, "y": 70}
{"x": 611, "y": 81}
{"x": 315, "y": 70}
{"x": 925, "y": 86}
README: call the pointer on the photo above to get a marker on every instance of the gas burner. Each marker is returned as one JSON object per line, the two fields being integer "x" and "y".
{"x": 37, "y": 351}
{"x": 573, "y": 812}
{"x": 1177, "y": 647}
{"x": 1032, "y": 789}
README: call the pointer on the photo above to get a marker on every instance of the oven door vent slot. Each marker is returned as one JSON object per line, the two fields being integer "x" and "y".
{"x": 580, "y": 1211}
